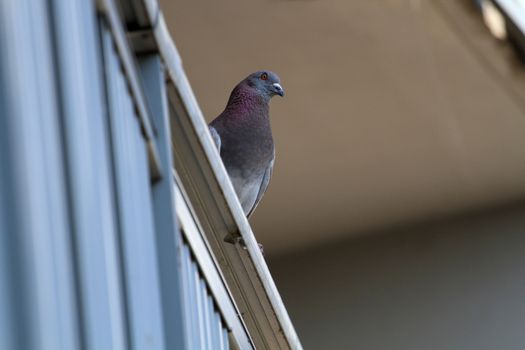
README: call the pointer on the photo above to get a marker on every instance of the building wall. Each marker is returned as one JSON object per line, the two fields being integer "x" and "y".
{"x": 454, "y": 285}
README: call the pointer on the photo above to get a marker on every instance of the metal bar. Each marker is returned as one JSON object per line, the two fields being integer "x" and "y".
{"x": 515, "y": 9}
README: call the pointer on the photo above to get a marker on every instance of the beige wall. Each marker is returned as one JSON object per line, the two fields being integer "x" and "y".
{"x": 387, "y": 102}
{"x": 458, "y": 285}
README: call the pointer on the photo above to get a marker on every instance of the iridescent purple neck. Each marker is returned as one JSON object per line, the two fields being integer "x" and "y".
{"x": 244, "y": 101}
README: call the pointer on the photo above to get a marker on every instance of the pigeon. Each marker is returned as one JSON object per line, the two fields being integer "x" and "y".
{"x": 244, "y": 139}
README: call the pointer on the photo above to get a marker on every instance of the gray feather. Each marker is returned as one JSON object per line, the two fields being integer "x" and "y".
{"x": 264, "y": 186}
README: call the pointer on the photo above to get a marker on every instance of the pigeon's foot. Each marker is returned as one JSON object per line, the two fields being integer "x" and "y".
{"x": 261, "y": 248}
{"x": 239, "y": 240}
{"x": 243, "y": 245}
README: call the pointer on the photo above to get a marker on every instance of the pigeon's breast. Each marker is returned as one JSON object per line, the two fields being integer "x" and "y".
{"x": 248, "y": 151}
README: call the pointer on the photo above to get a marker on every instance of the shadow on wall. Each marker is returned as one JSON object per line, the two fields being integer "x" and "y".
{"x": 456, "y": 285}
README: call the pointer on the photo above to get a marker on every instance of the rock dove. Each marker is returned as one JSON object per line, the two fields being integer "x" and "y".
{"x": 244, "y": 139}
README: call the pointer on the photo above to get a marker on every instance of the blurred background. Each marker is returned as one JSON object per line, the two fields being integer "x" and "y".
{"x": 395, "y": 218}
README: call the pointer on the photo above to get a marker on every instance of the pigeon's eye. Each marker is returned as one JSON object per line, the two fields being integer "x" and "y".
{"x": 264, "y": 76}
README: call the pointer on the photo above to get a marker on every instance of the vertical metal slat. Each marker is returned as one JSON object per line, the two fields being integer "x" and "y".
{"x": 88, "y": 169}
{"x": 168, "y": 237}
{"x": 135, "y": 212}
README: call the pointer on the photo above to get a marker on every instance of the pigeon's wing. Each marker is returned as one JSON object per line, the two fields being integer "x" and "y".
{"x": 264, "y": 185}
{"x": 216, "y": 137}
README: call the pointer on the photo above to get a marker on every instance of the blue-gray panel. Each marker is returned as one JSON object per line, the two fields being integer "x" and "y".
{"x": 18, "y": 295}
{"x": 37, "y": 296}
{"x": 91, "y": 201}
{"x": 206, "y": 315}
{"x": 225, "y": 340}
{"x": 204, "y": 325}
{"x": 190, "y": 305}
{"x": 169, "y": 241}
{"x": 198, "y": 296}
{"x": 210, "y": 320}
{"x": 216, "y": 328}
{"x": 135, "y": 209}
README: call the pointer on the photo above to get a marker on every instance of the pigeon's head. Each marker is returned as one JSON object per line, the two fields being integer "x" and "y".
{"x": 265, "y": 83}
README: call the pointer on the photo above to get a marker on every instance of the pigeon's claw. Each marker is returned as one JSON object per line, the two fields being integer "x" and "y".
{"x": 241, "y": 242}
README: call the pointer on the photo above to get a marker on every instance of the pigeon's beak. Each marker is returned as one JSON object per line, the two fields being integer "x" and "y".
{"x": 278, "y": 89}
